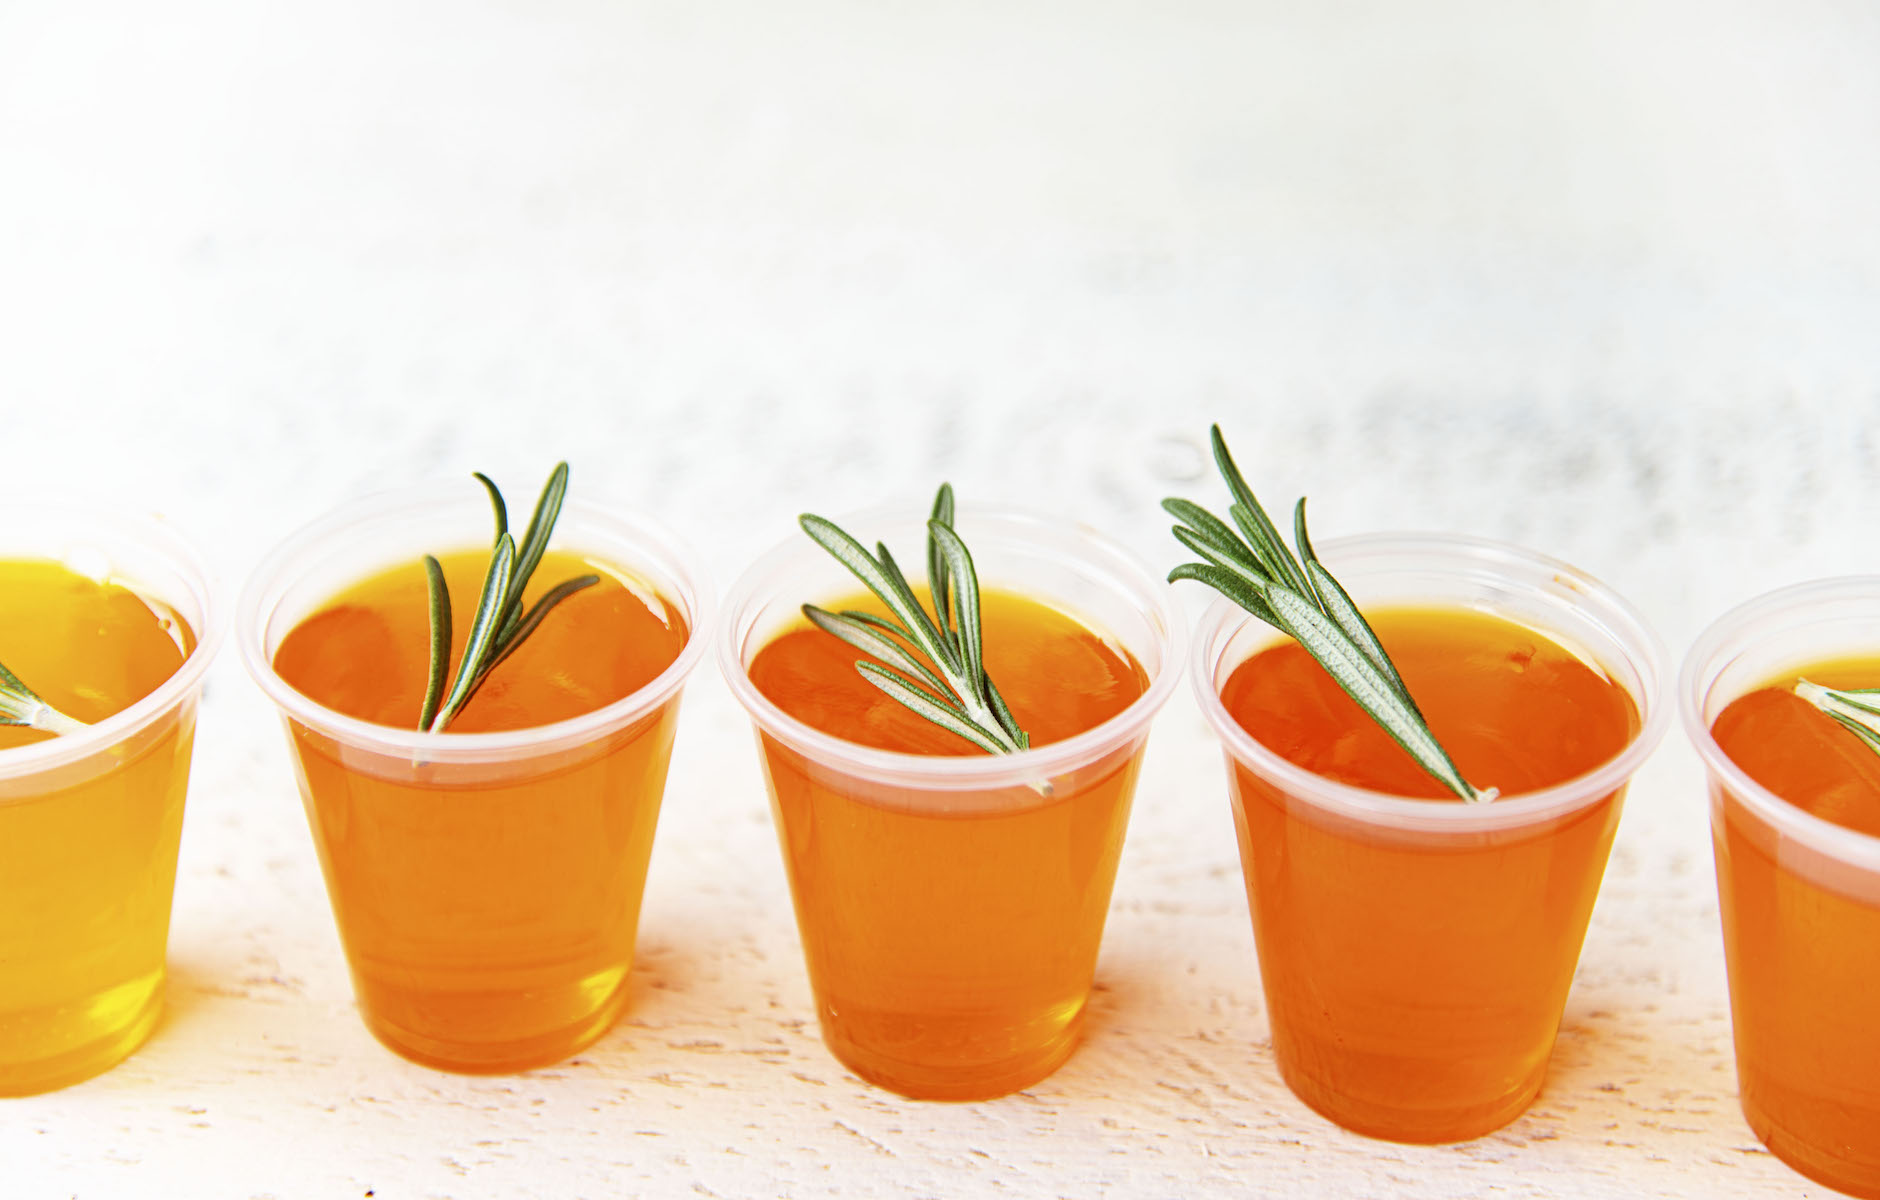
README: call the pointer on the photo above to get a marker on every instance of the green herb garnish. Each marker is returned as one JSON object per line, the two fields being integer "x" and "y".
{"x": 500, "y": 624}
{"x": 935, "y": 668}
{"x": 1856, "y": 709}
{"x": 20, "y": 705}
{"x": 1299, "y": 597}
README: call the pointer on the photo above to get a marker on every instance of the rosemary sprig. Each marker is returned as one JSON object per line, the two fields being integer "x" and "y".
{"x": 1299, "y": 597}
{"x": 934, "y": 665}
{"x": 22, "y": 706}
{"x": 500, "y": 624}
{"x": 1857, "y": 709}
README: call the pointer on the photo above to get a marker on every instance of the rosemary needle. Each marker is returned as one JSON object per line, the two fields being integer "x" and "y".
{"x": 932, "y": 665}
{"x": 1301, "y": 599}
{"x": 500, "y": 624}
{"x": 1856, "y": 709}
{"x": 21, "y": 706}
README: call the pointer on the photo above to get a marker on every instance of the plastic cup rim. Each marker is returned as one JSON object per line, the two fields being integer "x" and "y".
{"x": 935, "y": 772}
{"x": 119, "y": 726}
{"x": 1850, "y": 846}
{"x": 266, "y": 585}
{"x": 1224, "y": 620}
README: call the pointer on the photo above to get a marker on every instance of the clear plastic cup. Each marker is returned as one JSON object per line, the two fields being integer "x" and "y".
{"x": 1416, "y": 954}
{"x": 89, "y": 824}
{"x": 1799, "y": 896}
{"x": 486, "y": 886}
{"x": 951, "y": 908}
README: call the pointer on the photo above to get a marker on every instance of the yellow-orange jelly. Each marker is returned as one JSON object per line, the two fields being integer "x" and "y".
{"x": 951, "y": 943}
{"x": 1805, "y": 958}
{"x": 87, "y": 852}
{"x": 489, "y": 910}
{"x": 1415, "y": 984}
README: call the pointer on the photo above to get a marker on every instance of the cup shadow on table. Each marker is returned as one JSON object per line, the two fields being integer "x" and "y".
{"x": 705, "y": 987}
{"x": 1650, "y": 1067}
{"x": 1616, "y": 1076}
{"x": 1141, "y": 1032}
{"x": 216, "y": 989}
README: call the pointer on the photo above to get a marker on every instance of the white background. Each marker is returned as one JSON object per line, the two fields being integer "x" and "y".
{"x": 1601, "y": 278}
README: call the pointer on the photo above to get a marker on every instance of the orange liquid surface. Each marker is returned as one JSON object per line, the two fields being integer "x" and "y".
{"x": 1800, "y": 753}
{"x": 1804, "y": 957}
{"x": 87, "y": 854}
{"x": 951, "y": 937}
{"x": 367, "y": 653}
{"x": 1516, "y": 710}
{"x": 489, "y": 911}
{"x": 1057, "y": 676}
{"x": 1415, "y": 983}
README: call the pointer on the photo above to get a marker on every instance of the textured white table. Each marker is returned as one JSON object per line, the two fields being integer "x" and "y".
{"x": 1603, "y": 282}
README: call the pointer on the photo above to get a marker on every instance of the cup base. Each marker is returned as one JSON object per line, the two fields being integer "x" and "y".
{"x": 1414, "y": 1125}
{"x": 499, "y": 1056}
{"x": 138, "y": 1006}
{"x": 1855, "y": 1179}
{"x": 958, "y": 1082}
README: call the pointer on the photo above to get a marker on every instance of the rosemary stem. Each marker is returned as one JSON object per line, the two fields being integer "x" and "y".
{"x": 1298, "y": 596}
{"x": 21, "y": 706}
{"x": 500, "y": 624}
{"x": 1856, "y": 709}
{"x": 937, "y": 668}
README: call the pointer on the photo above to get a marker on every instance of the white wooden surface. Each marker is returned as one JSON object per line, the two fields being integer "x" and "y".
{"x": 1602, "y": 279}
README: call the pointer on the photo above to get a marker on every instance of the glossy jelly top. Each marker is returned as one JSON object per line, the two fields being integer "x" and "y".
{"x": 366, "y": 652}
{"x": 1516, "y": 710}
{"x": 88, "y": 648}
{"x": 1800, "y": 753}
{"x": 1058, "y": 676}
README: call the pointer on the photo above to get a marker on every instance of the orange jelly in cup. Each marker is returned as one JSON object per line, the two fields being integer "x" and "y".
{"x": 1416, "y": 951}
{"x": 951, "y": 902}
{"x": 1795, "y": 825}
{"x": 108, "y": 620}
{"x": 486, "y": 880}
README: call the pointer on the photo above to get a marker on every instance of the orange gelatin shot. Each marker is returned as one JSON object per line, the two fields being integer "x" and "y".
{"x": 90, "y": 819}
{"x": 1416, "y": 950}
{"x": 1510, "y": 705}
{"x": 1795, "y": 822}
{"x": 951, "y": 901}
{"x": 486, "y": 880}
{"x": 952, "y": 951}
